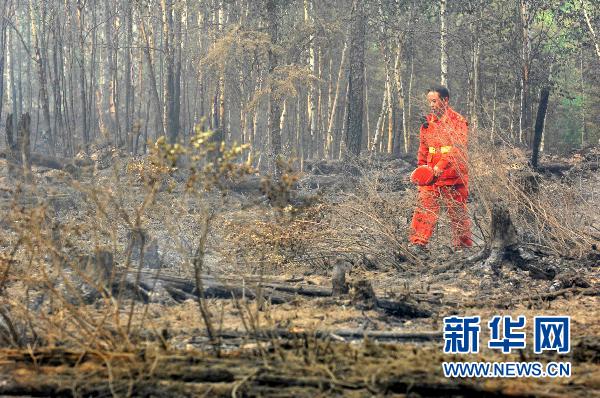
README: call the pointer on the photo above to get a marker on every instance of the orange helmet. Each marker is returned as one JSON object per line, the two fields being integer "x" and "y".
{"x": 423, "y": 175}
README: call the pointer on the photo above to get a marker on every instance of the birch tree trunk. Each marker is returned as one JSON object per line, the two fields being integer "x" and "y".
{"x": 129, "y": 93}
{"x": 401, "y": 102}
{"x": 443, "y": 50}
{"x": 222, "y": 121}
{"x": 2, "y": 51}
{"x": 376, "y": 141}
{"x": 390, "y": 107}
{"x": 311, "y": 98}
{"x": 298, "y": 130}
{"x": 329, "y": 139}
{"x": 591, "y": 30}
{"x": 82, "y": 66}
{"x": 91, "y": 90}
{"x": 474, "y": 75}
{"x": 109, "y": 67}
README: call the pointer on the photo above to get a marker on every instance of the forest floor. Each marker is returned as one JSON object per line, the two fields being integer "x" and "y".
{"x": 344, "y": 345}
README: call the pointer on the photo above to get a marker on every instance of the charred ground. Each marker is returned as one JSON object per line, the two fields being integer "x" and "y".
{"x": 117, "y": 281}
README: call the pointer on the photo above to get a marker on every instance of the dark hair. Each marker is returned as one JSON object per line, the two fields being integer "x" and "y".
{"x": 441, "y": 90}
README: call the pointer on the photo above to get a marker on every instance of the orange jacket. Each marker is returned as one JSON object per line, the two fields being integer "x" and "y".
{"x": 443, "y": 143}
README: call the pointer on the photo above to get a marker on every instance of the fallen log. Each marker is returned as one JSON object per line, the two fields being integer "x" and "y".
{"x": 363, "y": 297}
{"x": 96, "y": 273}
{"x": 403, "y": 309}
{"x": 560, "y": 168}
{"x": 504, "y": 303}
{"x": 592, "y": 292}
{"x": 67, "y": 373}
{"x": 41, "y": 160}
{"x": 336, "y": 334}
{"x": 93, "y": 275}
{"x": 182, "y": 289}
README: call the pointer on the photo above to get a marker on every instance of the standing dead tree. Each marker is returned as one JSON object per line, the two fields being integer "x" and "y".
{"x": 539, "y": 126}
{"x": 505, "y": 246}
{"x": 18, "y": 144}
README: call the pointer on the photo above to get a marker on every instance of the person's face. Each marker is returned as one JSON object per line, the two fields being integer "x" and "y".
{"x": 436, "y": 104}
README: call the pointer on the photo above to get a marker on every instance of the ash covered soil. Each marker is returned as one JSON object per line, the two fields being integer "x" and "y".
{"x": 133, "y": 325}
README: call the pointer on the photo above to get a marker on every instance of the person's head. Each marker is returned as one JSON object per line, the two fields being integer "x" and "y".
{"x": 437, "y": 98}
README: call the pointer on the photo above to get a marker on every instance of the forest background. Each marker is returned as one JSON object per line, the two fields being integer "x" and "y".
{"x": 302, "y": 78}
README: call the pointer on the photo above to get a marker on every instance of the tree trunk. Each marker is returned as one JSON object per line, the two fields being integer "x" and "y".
{"x": 539, "y": 125}
{"x": 109, "y": 66}
{"x": 171, "y": 91}
{"x": 42, "y": 73}
{"x": 272, "y": 15}
{"x": 12, "y": 81}
{"x": 512, "y": 114}
{"x": 408, "y": 99}
{"x": 525, "y": 113}
{"x": 24, "y": 144}
{"x": 82, "y": 65}
{"x": 312, "y": 97}
{"x": 494, "y": 102}
{"x": 474, "y": 75}
{"x": 504, "y": 245}
{"x": 18, "y": 145}
{"x": 128, "y": 67}
{"x": 591, "y": 30}
{"x": 377, "y": 136}
{"x": 583, "y": 104}
{"x": 354, "y": 120}
{"x": 334, "y": 106}
{"x": 158, "y": 120}
{"x": 368, "y": 121}
{"x": 400, "y": 95}
{"x": 390, "y": 112}
{"x": 2, "y": 51}
{"x": 443, "y": 50}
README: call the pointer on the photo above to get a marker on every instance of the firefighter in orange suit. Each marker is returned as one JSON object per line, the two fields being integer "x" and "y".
{"x": 443, "y": 147}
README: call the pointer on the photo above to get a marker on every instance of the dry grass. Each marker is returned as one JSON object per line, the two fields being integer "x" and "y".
{"x": 51, "y": 226}
{"x": 369, "y": 225}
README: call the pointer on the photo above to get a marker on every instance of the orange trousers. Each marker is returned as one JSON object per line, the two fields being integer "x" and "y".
{"x": 426, "y": 214}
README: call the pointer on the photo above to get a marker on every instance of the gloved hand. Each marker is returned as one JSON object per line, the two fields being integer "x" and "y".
{"x": 422, "y": 175}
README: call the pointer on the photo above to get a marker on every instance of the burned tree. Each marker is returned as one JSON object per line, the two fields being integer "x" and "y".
{"x": 539, "y": 126}
{"x": 18, "y": 144}
{"x": 505, "y": 245}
